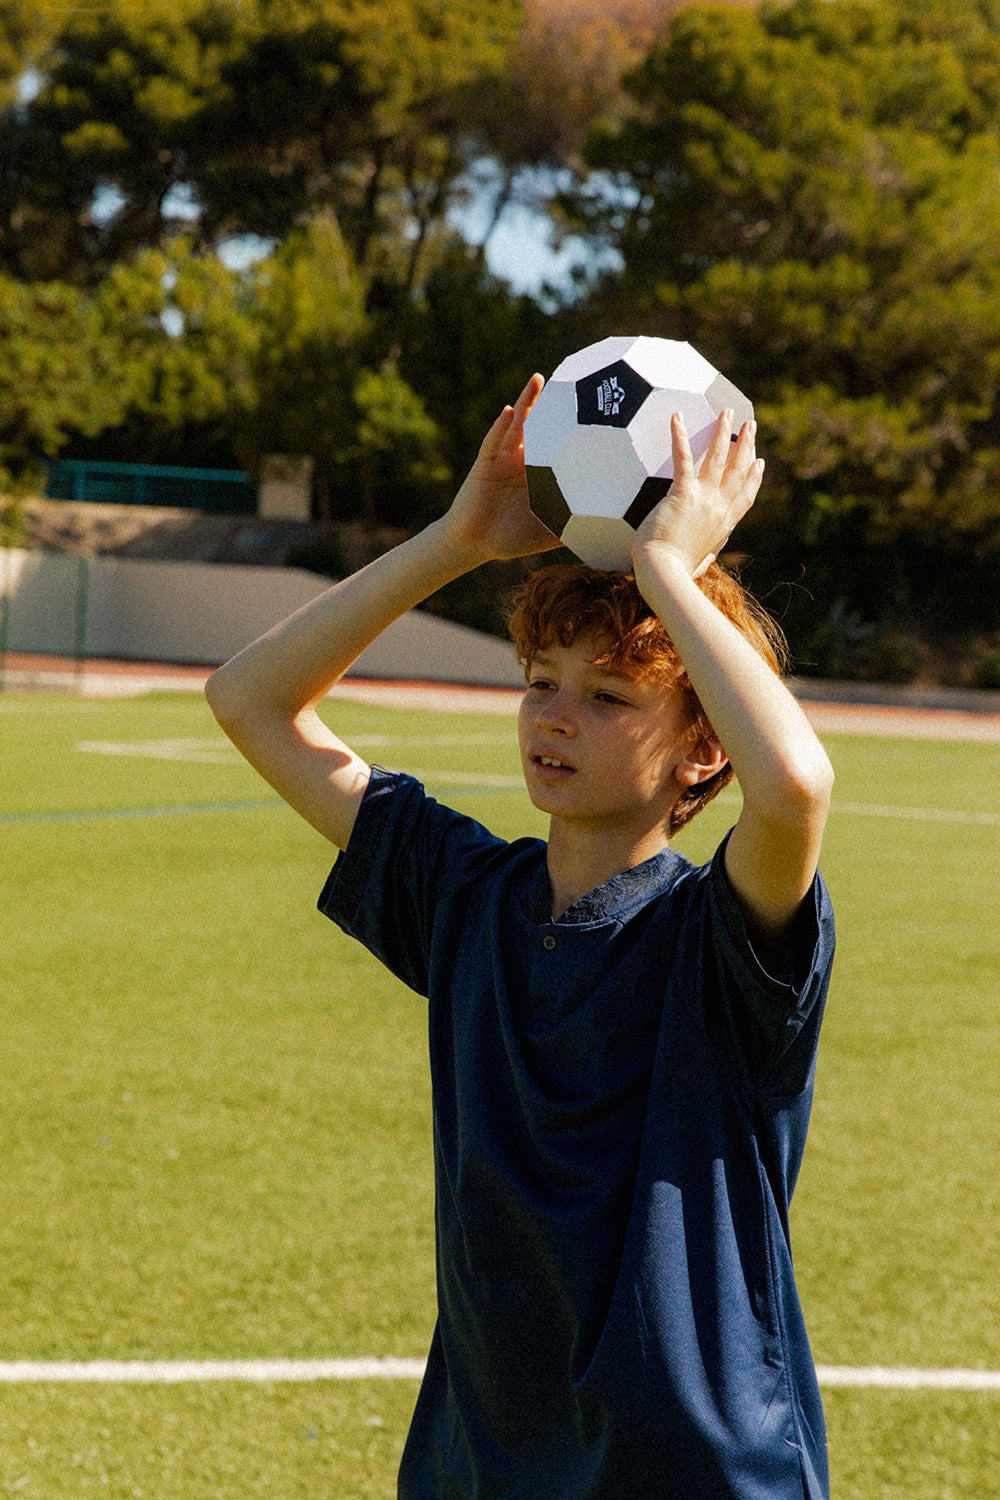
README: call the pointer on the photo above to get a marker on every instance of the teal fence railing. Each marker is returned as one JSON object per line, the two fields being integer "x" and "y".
{"x": 217, "y": 490}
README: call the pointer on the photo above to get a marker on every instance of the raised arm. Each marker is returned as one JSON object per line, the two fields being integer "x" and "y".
{"x": 781, "y": 766}
{"x": 265, "y": 698}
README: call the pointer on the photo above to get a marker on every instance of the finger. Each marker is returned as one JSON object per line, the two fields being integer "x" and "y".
{"x": 742, "y": 443}
{"x": 683, "y": 462}
{"x": 511, "y": 419}
{"x": 494, "y": 438}
{"x": 742, "y": 453}
{"x": 531, "y": 391}
{"x": 513, "y": 432}
{"x": 527, "y": 399}
{"x": 719, "y": 453}
{"x": 754, "y": 476}
{"x": 747, "y": 492}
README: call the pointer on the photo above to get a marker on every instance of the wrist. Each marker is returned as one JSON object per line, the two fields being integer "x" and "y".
{"x": 457, "y": 553}
{"x": 659, "y": 561}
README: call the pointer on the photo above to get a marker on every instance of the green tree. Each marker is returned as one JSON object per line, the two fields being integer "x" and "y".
{"x": 98, "y": 163}
{"x": 24, "y": 32}
{"x": 319, "y": 388}
{"x": 57, "y": 375}
{"x": 469, "y": 346}
{"x": 185, "y": 328}
{"x": 252, "y": 115}
{"x": 810, "y": 199}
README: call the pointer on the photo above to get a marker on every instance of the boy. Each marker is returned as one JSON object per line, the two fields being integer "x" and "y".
{"x": 622, "y": 1044}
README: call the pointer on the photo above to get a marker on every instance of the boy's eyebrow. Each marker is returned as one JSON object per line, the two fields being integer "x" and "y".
{"x": 619, "y": 674}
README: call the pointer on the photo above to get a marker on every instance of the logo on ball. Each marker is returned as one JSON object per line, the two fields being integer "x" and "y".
{"x": 611, "y": 396}
{"x": 597, "y": 443}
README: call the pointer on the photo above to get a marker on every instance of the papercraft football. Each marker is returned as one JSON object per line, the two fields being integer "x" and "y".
{"x": 597, "y": 441}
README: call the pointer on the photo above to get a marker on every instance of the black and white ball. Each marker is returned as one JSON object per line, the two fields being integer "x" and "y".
{"x": 597, "y": 446}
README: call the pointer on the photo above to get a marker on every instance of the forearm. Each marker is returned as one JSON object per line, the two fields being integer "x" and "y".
{"x": 294, "y": 665}
{"x": 781, "y": 766}
{"x": 265, "y": 698}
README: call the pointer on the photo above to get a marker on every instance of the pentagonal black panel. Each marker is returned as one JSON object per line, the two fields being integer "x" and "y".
{"x": 546, "y": 498}
{"x": 646, "y": 500}
{"x": 610, "y": 397}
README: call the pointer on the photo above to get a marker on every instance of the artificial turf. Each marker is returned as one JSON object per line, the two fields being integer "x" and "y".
{"x": 215, "y": 1114}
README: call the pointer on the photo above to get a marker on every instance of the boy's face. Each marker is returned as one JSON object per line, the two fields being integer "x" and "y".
{"x": 599, "y": 747}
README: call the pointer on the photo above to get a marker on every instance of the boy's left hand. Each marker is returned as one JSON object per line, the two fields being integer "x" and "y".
{"x": 694, "y": 519}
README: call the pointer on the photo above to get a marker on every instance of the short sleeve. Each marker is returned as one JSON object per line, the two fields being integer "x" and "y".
{"x": 773, "y": 1018}
{"x": 407, "y": 856}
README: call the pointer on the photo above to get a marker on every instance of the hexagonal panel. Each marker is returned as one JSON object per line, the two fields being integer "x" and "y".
{"x": 550, "y": 422}
{"x": 650, "y": 428}
{"x": 598, "y": 471}
{"x": 722, "y": 393}
{"x": 601, "y": 542}
{"x": 671, "y": 362}
{"x": 575, "y": 366}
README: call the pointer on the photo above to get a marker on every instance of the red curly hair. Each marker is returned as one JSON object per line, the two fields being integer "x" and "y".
{"x": 556, "y": 604}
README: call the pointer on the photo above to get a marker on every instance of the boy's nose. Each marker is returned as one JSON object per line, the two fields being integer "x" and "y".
{"x": 555, "y": 715}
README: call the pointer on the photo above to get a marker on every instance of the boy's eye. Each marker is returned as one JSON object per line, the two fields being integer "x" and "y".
{"x": 606, "y": 697}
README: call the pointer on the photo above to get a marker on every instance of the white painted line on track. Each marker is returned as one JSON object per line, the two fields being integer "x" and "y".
{"x": 178, "y": 1371}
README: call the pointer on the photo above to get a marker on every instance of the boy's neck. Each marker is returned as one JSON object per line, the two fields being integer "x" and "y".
{"x": 579, "y": 861}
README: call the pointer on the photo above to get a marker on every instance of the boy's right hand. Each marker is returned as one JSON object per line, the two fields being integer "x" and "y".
{"x": 694, "y": 519}
{"x": 490, "y": 517}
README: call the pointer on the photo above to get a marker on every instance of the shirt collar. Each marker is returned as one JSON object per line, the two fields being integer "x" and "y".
{"x": 617, "y": 899}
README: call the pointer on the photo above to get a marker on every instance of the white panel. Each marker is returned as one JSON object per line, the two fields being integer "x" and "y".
{"x": 672, "y": 363}
{"x": 599, "y": 472}
{"x": 649, "y": 429}
{"x": 594, "y": 357}
{"x": 723, "y": 393}
{"x": 549, "y": 423}
{"x": 600, "y": 542}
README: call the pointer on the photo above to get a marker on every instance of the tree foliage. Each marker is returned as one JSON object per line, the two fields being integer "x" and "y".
{"x": 255, "y": 113}
{"x": 57, "y": 374}
{"x": 805, "y": 190}
{"x": 185, "y": 331}
{"x": 810, "y": 198}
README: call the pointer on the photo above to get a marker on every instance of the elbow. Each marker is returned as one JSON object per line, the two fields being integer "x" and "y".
{"x": 806, "y": 787}
{"x": 795, "y": 790}
{"x": 223, "y": 698}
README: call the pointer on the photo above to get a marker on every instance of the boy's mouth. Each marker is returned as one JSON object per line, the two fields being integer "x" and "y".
{"x": 551, "y": 763}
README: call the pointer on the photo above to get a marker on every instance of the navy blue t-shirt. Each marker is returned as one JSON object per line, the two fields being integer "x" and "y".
{"x": 620, "y": 1109}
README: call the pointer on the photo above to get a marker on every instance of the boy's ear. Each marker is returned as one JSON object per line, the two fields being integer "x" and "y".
{"x": 702, "y": 760}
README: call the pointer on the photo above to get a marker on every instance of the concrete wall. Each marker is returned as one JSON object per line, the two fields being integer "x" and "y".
{"x": 204, "y": 613}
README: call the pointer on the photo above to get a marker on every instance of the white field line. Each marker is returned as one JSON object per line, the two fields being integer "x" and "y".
{"x": 218, "y": 751}
{"x": 904, "y": 1379}
{"x": 176, "y": 1371}
{"x": 920, "y": 814}
{"x": 891, "y": 810}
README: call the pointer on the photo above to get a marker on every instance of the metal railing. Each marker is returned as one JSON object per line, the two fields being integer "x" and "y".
{"x": 228, "y": 491}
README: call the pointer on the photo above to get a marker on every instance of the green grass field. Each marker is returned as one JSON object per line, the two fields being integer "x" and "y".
{"x": 215, "y": 1114}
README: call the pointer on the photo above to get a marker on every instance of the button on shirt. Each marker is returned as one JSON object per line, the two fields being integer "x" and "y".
{"x": 620, "y": 1108}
